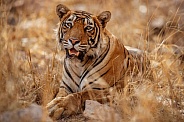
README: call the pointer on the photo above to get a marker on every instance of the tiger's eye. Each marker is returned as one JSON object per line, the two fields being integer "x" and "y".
{"x": 68, "y": 25}
{"x": 88, "y": 28}
{"x": 64, "y": 29}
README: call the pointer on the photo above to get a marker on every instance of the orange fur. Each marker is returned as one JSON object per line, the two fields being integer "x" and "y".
{"x": 106, "y": 64}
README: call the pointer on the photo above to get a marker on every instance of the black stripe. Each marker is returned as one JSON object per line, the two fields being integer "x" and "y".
{"x": 126, "y": 51}
{"x": 98, "y": 40}
{"x": 62, "y": 86}
{"x": 83, "y": 13}
{"x": 99, "y": 88}
{"x": 86, "y": 62}
{"x": 97, "y": 61}
{"x": 98, "y": 36}
{"x": 84, "y": 74}
{"x": 89, "y": 58}
{"x": 68, "y": 73}
{"x": 60, "y": 33}
{"x": 96, "y": 79}
{"x": 68, "y": 87}
{"x": 75, "y": 74}
{"x": 128, "y": 62}
{"x": 102, "y": 75}
{"x": 100, "y": 69}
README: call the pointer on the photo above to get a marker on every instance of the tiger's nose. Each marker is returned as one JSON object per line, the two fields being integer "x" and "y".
{"x": 74, "y": 41}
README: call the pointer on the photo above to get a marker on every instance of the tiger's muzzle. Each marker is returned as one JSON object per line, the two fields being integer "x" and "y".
{"x": 74, "y": 48}
{"x": 74, "y": 51}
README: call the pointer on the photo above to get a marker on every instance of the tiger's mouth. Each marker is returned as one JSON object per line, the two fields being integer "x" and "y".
{"x": 73, "y": 52}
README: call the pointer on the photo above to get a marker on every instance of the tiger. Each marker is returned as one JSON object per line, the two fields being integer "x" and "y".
{"x": 95, "y": 62}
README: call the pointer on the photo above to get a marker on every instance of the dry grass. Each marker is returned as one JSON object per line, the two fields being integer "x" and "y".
{"x": 30, "y": 66}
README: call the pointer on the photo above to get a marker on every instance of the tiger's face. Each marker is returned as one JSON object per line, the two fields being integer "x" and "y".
{"x": 80, "y": 32}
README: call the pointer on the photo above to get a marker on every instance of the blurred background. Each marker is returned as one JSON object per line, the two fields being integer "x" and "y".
{"x": 31, "y": 64}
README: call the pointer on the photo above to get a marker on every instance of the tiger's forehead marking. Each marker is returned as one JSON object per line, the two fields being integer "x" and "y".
{"x": 81, "y": 16}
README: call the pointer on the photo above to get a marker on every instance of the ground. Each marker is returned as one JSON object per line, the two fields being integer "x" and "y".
{"x": 31, "y": 63}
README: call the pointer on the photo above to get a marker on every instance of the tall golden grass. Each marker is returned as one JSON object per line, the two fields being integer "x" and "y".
{"x": 30, "y": 64}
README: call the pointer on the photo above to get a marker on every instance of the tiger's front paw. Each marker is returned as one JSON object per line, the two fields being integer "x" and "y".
{"x": 62, "y": 107}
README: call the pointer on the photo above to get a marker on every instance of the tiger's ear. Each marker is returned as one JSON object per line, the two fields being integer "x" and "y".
{"x": 104, "y": 17}
{"x": 61, "y": 10}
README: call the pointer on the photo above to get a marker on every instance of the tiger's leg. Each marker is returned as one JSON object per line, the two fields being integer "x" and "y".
{"x": 62, "y": 107}
{"x": 62, "y": 92}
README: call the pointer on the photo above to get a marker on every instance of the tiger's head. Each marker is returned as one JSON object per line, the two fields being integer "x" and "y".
{"x": 80, "y": 32}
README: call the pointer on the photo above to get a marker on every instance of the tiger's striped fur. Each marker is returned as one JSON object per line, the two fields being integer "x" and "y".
{"x": 95, "y": 60}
